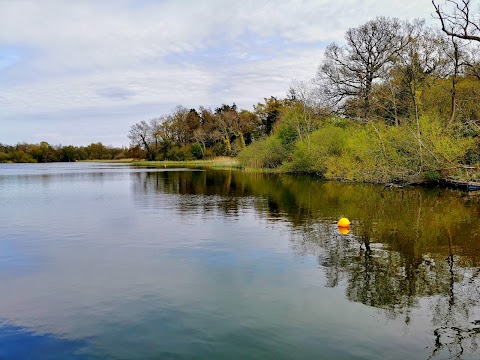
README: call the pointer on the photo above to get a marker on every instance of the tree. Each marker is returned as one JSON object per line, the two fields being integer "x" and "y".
{"x": 420, "y": 62}
{"x": 99, "y": 151}
{"x": 455, "y": 56}
{"x": 472, "y": 61}
{"x": 69, "y": 153}
{"x": 142, "y": 134}
{"x": 180, "y": 125}
{"x": 350, "y": 70}
{"x": 459, "y": 20}
{"x": 135, "y": 152}
{"x": 224, "y": 116}
{"x": 303, "y": 95}
{"x": 192, "y": 123}
{"x": 269, "y": 113}
{"x": 207, "y": 132}
{"x": 43, "y": 153}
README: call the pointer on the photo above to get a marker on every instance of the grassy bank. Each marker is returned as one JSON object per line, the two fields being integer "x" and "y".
{"x": 216, "y": 163}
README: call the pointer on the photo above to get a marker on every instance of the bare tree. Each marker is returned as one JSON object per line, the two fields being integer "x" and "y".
{"x": 139, "y": 135}
{"x": 459, "y": 20}
{"x": 305, "y": 94}
{"x": 472, "y": 62}
{"x": 350, "y": 70}
{"x": 146, "y": 136}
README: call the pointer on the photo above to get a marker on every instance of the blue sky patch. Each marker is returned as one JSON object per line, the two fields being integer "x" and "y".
{"x": 9, "y": 56}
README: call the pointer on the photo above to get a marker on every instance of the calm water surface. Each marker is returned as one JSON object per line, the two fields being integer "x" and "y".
{"x": 110, "y": 261}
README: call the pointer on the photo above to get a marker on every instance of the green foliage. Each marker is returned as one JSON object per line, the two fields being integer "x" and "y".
{"x": 293, "y": 120}
{"x": 269, "y": 114}
{"x": 121, "y": 155}
{"x": 472, "y": 157}
{"x": 268, "y": 153}
{"x": 22, "y": 157}
{"x": 4, "y": 157}
{"x": 223, "y": 132}
{"x": 287, "y": 135}
{"x": 219, "y": 149}
{"x": 69, "y": 153}
{"x": 176, "y": 153}
{"x": 432, "y": 176}
{"x": 196, "y": 150}
{"x": 135, "y": 152}
{"x": 376, "y": 152}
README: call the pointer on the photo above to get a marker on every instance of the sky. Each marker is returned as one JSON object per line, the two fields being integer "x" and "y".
{"x": 78, "y": 72}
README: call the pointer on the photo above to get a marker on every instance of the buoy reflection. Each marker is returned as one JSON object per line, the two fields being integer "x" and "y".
{"x": 343, "y": 230}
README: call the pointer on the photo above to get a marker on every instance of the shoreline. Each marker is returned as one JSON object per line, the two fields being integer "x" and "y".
{"x": 227, "y": 163}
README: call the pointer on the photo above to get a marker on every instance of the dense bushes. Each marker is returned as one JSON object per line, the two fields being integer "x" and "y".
{"x": 267, "y": 153}
{"x": 372, "y": 152}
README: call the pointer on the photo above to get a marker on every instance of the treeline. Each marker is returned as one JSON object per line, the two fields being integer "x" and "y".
{"x": 44, "y": 152}
{"x": 397, "y": 102}
{"x": 195, "y": 134}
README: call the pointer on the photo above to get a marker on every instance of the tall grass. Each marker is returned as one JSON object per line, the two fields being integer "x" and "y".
{"x": 216, "y": 163}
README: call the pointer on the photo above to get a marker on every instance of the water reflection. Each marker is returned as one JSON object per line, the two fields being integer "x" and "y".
{"x": 444, "y": 286}
{"x": 184, "y": 264}
{"x": 413, "y": 253}
{"x": 228, "y": 192}
{"x": 343, "y": 230}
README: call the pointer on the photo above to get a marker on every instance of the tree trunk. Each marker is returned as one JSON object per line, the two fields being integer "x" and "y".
{"x": 366, "y": 98}
{"x": 150, "y": 154}
{"x": 394, "y": 101}
{"x": 417, "y": 119}
{"x": 454, "y": 84}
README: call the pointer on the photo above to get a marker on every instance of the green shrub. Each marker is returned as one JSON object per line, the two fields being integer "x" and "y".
{"x": 287, "y": 135}
{"x": 20, "y": 156}
{"x": 219, "y": 149}
{"x": 4, "y": 157}
{"x": 432, "y": 175}
{"x": 371, "y": 152}
{"x": 174, "y": 154}
{"x": 269, "y": 153}
{"x": 196, "y": 150}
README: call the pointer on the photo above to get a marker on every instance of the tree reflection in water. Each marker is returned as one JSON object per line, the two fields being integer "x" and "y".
{"x": 408, "y": 249}
{"x": 376, "y": 274}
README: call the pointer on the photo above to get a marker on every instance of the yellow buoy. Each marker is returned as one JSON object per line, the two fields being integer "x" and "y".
{"x": 343, "y": 230}
{"x": 344, "y": 222}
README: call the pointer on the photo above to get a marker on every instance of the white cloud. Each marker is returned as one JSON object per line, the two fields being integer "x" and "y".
{"x": 71, "y": 57}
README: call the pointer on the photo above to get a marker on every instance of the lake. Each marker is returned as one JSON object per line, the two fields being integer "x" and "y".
{"x": 109, "y": 261}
